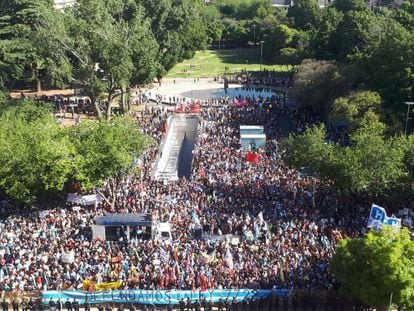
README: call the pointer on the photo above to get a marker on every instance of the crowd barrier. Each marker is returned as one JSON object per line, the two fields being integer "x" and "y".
{"x": 159, "y": 297}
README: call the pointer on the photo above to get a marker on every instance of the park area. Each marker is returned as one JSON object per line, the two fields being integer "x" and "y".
{"x": 226, "y": 155}
{"x": 210, "y": 63}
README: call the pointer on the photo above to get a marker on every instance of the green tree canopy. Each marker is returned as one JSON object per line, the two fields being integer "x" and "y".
{"x": 277, "y": 38}
{"x": 306, "y": 14}
{"x": 345, "y": 6}
{"x": 308, "y": 150}
{"x": 28, "y": 50}
{"x": 112, "y": 47}
{"x": 106, "y": 149}
{"x": 408, "y": 6}
{"x": 37, "y": 157}
{"x": 408, "y": 145}
{"x": 371, "y": 164}
{"x": 356, "y": 35}
{"x": 40, "y": 159}
{"x": 317, "y": 84}
{"x": 244, "y": 9}
{"x": 377, "y": 268}
{"x": 117, "y": 44}
{"x": 179, "y": 27}
{"x": 358, "y": 109}
{"x": 213, "y": 21}
{"x": 330, "y": 19}
{"x": 391, "y": 66}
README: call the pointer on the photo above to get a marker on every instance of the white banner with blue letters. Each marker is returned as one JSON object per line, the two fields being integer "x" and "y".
{"x": 378, "y": 218}
{"x": 159, "y": 297}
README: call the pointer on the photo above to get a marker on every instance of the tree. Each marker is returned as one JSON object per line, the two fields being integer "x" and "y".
{"x": 377, "y": 268}
{"x": 36, "y": 159}
{"x": 330, "y": 19}
{"x": 214, "y": 24}
{"x": 194, "y": 37}
{"x": 3, "y": 96}
{"x": 345, "y": 6}
{"x": 317, "y": 84}
{"x": 284, "y": 44}
{"x": 245, "y": 21}
{"x": 112, "y": 47}
{"x": 305, "y": 13}
{"x": 370, "y": 165}
{"x": 278, "y": 38}
{"x": 244, "y": 9}
{"x": 28, "y": 49}
{"x": 390, "y": 67}
{"x": 356, "y": 35}
{"x": 55, "y": 66}
{"x": 406, "y": 19}
{"x": 105, "y": 150}
{"x": 308, "y": 150}
{"x": 179, "y": 27}
{"x": 236, "y": 32}
{"x": 408, "y": 160}
{"x": 359, "y": 108}
{"x": 408, "y": 7}
{"x": 40, "y": 159}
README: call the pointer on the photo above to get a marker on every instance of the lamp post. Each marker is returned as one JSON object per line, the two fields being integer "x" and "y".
{"x": 254, "y": 34}
{"x": 261, "y": 54}
{"x": 408, "y": 113}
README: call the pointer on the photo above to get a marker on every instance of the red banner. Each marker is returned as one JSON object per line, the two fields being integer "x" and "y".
{"x": 252, "y": 157}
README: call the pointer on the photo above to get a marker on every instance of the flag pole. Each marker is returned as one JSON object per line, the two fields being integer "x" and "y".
{"x": 313, "y": 194}
{"x": 60, "y": 299}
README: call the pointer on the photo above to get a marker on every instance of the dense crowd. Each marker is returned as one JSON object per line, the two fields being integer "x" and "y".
{"x": 268, "y": 78}
{"x": 260, "y": 225}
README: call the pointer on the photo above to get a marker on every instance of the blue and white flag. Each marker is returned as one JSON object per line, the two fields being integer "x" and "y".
{"x": 393, "y": 222}
{"x": 376, "y": 216}
{"x": 196, "y": 220}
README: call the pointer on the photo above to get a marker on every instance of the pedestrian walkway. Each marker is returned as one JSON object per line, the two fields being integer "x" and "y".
{"x": 174, "y": 160}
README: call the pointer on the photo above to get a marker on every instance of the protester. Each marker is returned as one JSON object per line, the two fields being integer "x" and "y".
{"x": 15, "y": 304}
{"x": 5, "y": 305}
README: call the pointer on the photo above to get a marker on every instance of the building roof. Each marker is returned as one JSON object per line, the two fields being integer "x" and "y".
{"x": 290, "y": 3}
{"x": 282, "y": 3}
{"x": 61, "y": 4}
{"x": 129, "y": 219}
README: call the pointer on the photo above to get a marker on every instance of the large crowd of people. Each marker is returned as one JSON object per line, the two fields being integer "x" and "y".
{"x": 266, "y": 78}
{"x": 235, "y": 224}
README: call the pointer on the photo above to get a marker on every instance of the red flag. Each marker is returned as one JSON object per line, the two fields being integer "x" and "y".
{"x": 164, "y": 127}
{"x": 202, "y": 172}
{"x": 195, "y": 108}
{"x": 252, "y": 157}
{"x": 239, "y": 102}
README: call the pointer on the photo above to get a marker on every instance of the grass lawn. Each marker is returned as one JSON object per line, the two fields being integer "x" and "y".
{"x": 212, "y": 63}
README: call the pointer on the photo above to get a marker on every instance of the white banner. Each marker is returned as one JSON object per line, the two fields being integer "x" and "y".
{"x": 68, "y": 257}
{"x": 378, "y": 217}
{"x": 91, "y": 199}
